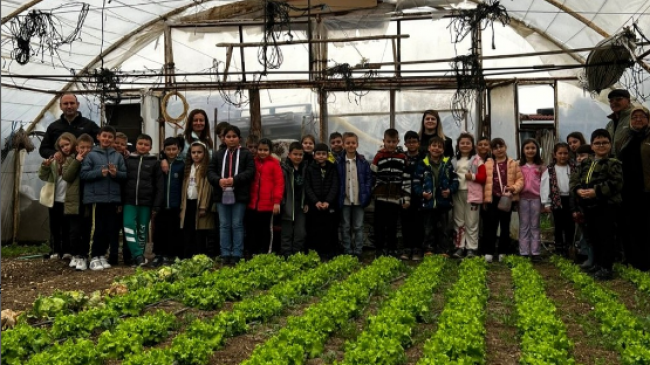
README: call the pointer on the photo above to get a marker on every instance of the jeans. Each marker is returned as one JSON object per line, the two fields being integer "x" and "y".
{"x": 352, "y": 215}
{"x": 231, "y": 229}
{"x": 529, "y": 232}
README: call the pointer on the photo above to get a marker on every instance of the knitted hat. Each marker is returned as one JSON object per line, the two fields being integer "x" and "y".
{"x": 618, "y": 93}
{"x": 321, "y": 147}
{"x": 642, "y": 109}
{"x": 585, "y": 148}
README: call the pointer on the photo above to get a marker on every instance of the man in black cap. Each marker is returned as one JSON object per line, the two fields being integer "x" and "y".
{"x": 619, "y": 102}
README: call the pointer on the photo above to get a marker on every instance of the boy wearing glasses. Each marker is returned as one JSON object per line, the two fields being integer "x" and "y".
{"x": 596, "y": 185}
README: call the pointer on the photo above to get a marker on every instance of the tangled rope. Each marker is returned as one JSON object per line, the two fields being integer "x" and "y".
{"x": 103, "y": 80}
{"x": 236, "y": 99}
{"x": 353, "y": 86}
{"x": 469, "y": 82}
{"x": 45, "y": 26}
{"x": 163, "y": 108}
{"x": 276, "y": 20}
{"x": 481, "y": 17}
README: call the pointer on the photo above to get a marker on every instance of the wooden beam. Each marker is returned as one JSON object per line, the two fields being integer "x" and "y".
{"x": 256, "y": 113}
{"x": 19, "y": 10}
{"x": 329, "y": 40}
{"x": 226, "y": 11}
{"x": 579, "y": 17}
{"x": 228, "y": 59}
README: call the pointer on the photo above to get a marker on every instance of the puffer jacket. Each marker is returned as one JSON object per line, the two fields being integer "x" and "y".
{"x": 364, "y": 178}
{"x": 479, "y": 176}
{"x": 514, "y": 179}
{"x": 70, "y": 174}
{"x": 605, "y": 176}
{"x": 319, "y": 188}
{"x": 288, "y": 200}
{"x": 242, "y": 179}
{"x": 267, "y": 187}
{"x": 144, "y": 181}
{"x": 447, "y": 179}
{"x": 174, "y": 184}
{"x": 98, "y": 188}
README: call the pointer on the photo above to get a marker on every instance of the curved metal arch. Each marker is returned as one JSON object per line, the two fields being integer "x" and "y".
{"x": 19, "y": 10}
{"x": 110, "y": 49}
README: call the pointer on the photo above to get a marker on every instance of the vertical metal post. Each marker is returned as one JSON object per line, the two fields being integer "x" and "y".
{"x": 310, "y": 49}
{"x": 392, "y": 107}
{"x": 398, "y": 66}
{"x": 17, "y": 176}
{"x": 169, "y": 74}
{"x": 477, "y": 50}
{"x": 516, "y": 97}
{"x": 241, "y": 53}
{"x": 556, "y": 114}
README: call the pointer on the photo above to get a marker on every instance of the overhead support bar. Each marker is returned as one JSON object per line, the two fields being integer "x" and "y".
{"x": 329, "y": 40}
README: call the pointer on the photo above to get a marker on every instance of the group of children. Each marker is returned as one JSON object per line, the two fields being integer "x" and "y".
{"x": 320, "y": 194}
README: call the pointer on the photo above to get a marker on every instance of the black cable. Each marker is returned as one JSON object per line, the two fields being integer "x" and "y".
{"x": 481, "y": 17}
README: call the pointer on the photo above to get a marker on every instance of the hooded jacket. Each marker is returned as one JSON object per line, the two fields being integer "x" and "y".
{"x": 99, "y": 188}
{"x": 447, "y": 179}
{"x": 144, "y": 181}
{"x": 267, "y": 187}
{"x": 288, "y": 199}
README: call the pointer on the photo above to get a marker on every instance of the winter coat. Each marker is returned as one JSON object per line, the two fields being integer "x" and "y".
{"x": 514, "y": 179}
{"x": 424, "y": 145}
{"x": 173, "y": 184}
{"x": 447, "y": 179}
{"x": 99, "y": 188}
{"x": 391, "y": 183}
{"x": 204, "y": 201}
{"x": 479, "y": 176}
{"x": 144, "y": 181}
{"x": 605, "y": 176}
{"x": 288, "y": 199}
{"x": 319, "y": 188}
{"x": 364, "y": 178}
{"x": 267, "y": 187}
{"x": 618, "y": 128}
{"x": 242, "y": 179}
{"x": 70, "y": 174}
{"x": 533, "y": 181}
{"x": 411, "y": 165}
{"x": 635, "y": 156}
{"x": 77, "y": 127}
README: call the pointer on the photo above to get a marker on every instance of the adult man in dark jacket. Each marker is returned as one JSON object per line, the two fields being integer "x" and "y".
{"x": 71, "y": 121}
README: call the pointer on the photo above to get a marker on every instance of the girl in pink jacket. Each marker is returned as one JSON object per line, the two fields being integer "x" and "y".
{"x": 530, "y": 203}
{"x": 467, "y": 202}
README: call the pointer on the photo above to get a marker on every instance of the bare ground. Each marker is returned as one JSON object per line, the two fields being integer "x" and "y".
{"x": 502, "y": 342}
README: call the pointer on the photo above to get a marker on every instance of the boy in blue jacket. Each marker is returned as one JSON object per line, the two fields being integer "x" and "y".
{"x": 101, "y": 172}
{"x": 437, "y": 183}
{"x": 166, "y": 230}
{"x": 355, "y": 184}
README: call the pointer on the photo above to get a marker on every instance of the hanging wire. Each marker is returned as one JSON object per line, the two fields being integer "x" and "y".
{"x": 39, "y": 32}
{"x": 481, "y": 17}
{"x": 354, "y": 86}
{"x": 469, "y": 82}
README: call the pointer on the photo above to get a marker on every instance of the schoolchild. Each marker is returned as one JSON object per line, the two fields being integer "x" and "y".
{"x": 230, "y": 173}
{"x": 293, "y": 206}
{"x": 167, "y": 238}
{"x": 586, "y": 252}
{"x": 336, "y": 147}
{"x": 321, "y": 195}
{"x": 266, "y": 193}
{"x": 391, "y": 192}
{"x": 503, "y": 179}
{"x": 63, "y": 199}
{"x": 252, "y": 142}
{"x": 597, "y": 185}
{"x": 143, "y": 196}
{"x": 556, "y": 199}
{"x": 437, "y": 184}
{"x": 484, "y": 151}
{"x": 467, "y": 201}
{"x": 575, "y": 140}
{"x": 530, "y": 203}
{"x": 85, "y": 143}
{"x": 102, "y": 172}
{"x": 196, "y": 200}
{"x": 308, "y": 142}
{"x": 355, "y": 184}
{"x": 412, "y": 223}
{"x": 121, "y": 146}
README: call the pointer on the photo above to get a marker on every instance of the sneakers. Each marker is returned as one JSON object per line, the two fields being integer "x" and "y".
{"x": 104, "y": 262}
{"x": 96, "y": 264}
{"x": 488, "y": 258}
{"x": 82, "y": 264}
{"x": 470, "y": 254}
{"x": 66, "y": 256}
{"x": 73, "y": 262}
{"x": 459, "y": 253}
{"x": 54, "y": 256}
{"x": 587, "y": 264}
{"x": 417, "y": 256}
{"x": 404, "y": 256}
{"x": 502, "y": 257}
{"x": 140, "y": 261}
{"x": 157, "y": 261}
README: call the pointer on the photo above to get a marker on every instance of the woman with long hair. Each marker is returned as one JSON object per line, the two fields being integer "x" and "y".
{"x": 431, "y": 126}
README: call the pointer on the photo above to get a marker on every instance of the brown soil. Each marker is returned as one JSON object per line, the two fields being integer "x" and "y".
{"x": 589, "y": 345}
{"x": 24, "y": 280}
{"x": 240, "y": 348}
{"x": 424, "y": 331}
{"x": 635, "y": 300}
{"x": 502, "y": 342}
